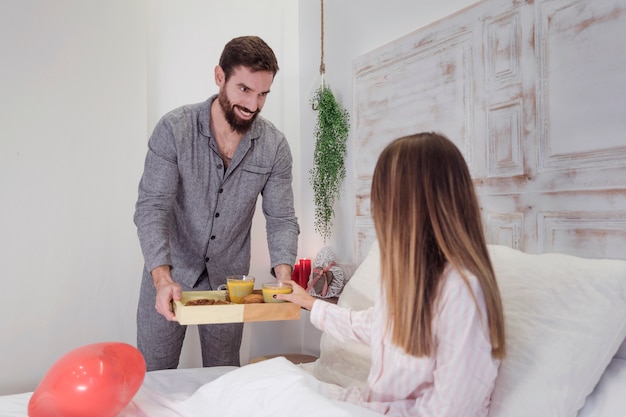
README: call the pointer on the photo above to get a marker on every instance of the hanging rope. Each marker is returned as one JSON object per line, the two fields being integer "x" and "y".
{"x": 314, "y": 102}
{"x": 322, "y": 65}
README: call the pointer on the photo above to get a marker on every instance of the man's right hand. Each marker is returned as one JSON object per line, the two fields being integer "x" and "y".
{"x": 166, "y": 291}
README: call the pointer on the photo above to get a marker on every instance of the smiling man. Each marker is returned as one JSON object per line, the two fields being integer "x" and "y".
{"x": 206, "y": 165}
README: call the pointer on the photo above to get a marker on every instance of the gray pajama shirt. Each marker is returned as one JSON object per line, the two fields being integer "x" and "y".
{"x": 196, "y": 216}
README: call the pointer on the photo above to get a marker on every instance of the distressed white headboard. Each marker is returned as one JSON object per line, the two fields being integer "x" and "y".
{"x": 534, "y": 94}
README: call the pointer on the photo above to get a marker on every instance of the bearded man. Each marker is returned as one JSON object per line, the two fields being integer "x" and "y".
{"x": 206, "y": 165}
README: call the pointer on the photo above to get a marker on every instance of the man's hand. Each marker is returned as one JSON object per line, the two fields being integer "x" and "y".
{"x": 283, "y": 272}
{"x": 166, "y": 291}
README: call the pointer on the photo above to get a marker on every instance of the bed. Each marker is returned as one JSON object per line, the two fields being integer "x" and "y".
{"x": 566, "y": 331}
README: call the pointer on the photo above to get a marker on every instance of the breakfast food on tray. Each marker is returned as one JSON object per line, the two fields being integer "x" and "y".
{"x": 205, "y": 302}
{"x": 252, "y": 299}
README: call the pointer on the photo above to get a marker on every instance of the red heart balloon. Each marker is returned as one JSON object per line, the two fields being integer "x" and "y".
{"x": 96, "y": 380}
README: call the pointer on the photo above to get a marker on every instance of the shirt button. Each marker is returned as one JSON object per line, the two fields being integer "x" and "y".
{"x": 217, "y": 215}
{"x": 206, "y": 259}
{"x": 212, "y": 237}
{"x": 219, "y": 166}
{"x": 221, "y": 190}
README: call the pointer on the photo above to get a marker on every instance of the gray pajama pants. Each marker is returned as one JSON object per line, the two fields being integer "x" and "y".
{"x": 161, "y": 341}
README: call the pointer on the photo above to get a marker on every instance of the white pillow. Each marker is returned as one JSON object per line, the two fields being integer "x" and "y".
{"x": 348, "y": 364}
{"x": 565, "y": 319}
{"x": 621, "y": 352}
{"x": 608, "y": 399}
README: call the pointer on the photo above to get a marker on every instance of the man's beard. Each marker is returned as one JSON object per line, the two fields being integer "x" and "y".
{"x": 238, "y": 124}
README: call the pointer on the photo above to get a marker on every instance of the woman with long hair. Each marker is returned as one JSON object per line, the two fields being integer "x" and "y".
{"x": 436, "y": 329}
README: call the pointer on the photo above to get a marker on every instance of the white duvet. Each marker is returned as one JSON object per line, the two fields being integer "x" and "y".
{"x": 277, "y": 388}
{"x": 273, "y": 387}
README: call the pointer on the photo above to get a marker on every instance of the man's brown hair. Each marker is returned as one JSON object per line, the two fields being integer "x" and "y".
{"x": 248, "y": 51}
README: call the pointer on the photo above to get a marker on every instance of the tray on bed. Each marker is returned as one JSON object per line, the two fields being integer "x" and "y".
{"x": 230, "y": 313}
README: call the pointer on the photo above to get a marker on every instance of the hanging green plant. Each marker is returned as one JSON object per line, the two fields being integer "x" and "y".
{"x": 328, "y": 172}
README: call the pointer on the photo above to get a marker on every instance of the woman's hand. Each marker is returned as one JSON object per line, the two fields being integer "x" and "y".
{"x": 299, "y": 296}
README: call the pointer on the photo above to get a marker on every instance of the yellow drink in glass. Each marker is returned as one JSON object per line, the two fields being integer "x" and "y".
{"x": 239, "y": 286}
{"x": 269, "y": 289}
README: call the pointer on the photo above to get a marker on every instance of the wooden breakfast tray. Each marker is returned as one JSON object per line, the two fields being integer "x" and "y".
{"x": 230, "y": 313}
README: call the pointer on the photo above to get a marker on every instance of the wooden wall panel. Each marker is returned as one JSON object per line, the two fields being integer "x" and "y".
{"x": 534, "y": 95}
{"x": 581, "y": 60}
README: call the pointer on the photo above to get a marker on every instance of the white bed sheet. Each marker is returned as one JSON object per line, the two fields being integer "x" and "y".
{"x": 271, "y": 388}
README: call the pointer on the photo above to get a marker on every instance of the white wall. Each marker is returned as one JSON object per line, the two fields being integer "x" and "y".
{"x": 82, "y": 85}
{"x": 352, "y": 28}
{"x": 72, "y": 128}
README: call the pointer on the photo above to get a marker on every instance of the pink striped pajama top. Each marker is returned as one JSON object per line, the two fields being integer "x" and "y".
{"x": 456, "y": 381}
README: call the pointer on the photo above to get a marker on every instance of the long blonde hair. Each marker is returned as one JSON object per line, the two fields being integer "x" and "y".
{"x": 426, "y": 214}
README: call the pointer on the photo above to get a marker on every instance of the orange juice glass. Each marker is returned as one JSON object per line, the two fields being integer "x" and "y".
{"x": 271, "y": 288}
{"x": 239, "y": 286}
